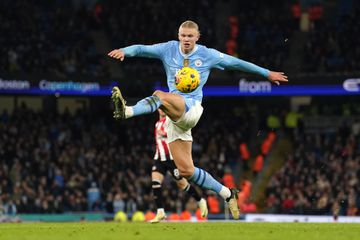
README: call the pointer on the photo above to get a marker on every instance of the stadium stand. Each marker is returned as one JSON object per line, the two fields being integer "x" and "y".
{"x": 326, "y": 50}
{"x": 54, "y": 162}
{"x": 54, "y": 40}
{"x": 322, "y": 172}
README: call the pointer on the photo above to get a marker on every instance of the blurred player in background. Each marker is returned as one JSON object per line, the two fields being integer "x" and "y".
{"x": 184, "y": 110}
{"x": 163, "y": 163}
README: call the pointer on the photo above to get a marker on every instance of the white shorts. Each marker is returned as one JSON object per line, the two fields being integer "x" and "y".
{"x": 181, "y": 129}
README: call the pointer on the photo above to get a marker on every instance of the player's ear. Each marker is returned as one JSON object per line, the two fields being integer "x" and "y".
{"x": 178, "y": 33}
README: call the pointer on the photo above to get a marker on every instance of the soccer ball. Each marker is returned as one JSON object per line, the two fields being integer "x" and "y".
{"x": 120, "y": 217}
{"x": 187, "y": 79}
{"x": 138, "y": 216}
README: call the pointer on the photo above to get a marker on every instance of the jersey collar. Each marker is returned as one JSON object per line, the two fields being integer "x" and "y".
{"x": 190, "y": 53}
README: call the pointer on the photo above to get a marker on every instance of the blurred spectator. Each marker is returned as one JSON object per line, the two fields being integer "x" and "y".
{"x": 273, "y": 121}
{"x": 228, "y": 178}
{"x": 118, "y": 204}
{"x": 10, "y": 208}
{"x": 245, "y": 155}
{"x": 93, "y": 196}
{"x": 213, "y": 203}
{"x": 248, "y": 207}
{"x": 258, "y": 164}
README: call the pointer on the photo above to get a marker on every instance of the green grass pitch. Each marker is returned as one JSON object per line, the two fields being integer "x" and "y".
{"x": 179, "y": 231}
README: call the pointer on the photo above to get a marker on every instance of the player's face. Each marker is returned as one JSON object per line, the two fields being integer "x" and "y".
{"x": 188, "y": 38}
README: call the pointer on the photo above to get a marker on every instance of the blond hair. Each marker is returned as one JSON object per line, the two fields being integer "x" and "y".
{"x": 190, "y": 24}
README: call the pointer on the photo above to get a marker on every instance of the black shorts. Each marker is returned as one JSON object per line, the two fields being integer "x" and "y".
{"x": 164, "y": 166}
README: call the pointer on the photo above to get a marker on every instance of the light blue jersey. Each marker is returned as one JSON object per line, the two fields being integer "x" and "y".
{"x": 201, "y": 58}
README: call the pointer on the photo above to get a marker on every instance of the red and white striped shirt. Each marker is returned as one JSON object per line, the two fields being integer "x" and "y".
{"x": 162, "y": 148}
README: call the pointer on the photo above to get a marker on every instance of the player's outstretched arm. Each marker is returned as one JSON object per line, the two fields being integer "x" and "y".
{"x": 139, "y": 50}
{"x": 223, "y": 60}
{"x": 117, "y": 54}
{"x": 277, "y": 77}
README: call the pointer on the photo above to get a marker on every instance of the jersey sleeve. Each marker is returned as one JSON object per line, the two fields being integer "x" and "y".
{"x": 151, "y": 51}
{"x": 221, "y": 60}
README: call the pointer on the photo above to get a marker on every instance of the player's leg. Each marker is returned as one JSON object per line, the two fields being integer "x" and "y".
{"x": 172, "y": 104}
{"x": 157, "y": 177}
{"x": 181, "y": 152}
{"x": 184, "y": 185}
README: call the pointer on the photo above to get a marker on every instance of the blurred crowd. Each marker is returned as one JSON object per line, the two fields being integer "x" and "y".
{"x": 59, "y": 38}
{"x": 54, "y": 163}
{"x": 56, "y": 38}
{"x": 327, "y": 48}
{"x": 322, "y": 175}
{"x": 262, "y": 32}
{"x": 159, "y": 23}
{"x": 48, "y": 38}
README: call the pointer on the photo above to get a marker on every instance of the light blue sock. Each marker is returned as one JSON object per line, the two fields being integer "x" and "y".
{"x": 205, "y": 180}
{"x": 146, "y": 105}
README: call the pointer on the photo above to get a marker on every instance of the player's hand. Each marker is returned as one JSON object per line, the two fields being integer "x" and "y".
{"x": 277, "y": 77}
{"x": 117, "y": 54}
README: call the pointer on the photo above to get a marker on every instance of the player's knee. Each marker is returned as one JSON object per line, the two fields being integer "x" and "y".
{"x": 160, "y": 94}
{"x": 163, "y": 96}
{"x": 186, "y": 172}
{"x": 156, "y": 184}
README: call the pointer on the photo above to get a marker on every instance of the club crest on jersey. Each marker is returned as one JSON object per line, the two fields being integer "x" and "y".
{"x": 198, "y": 62}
